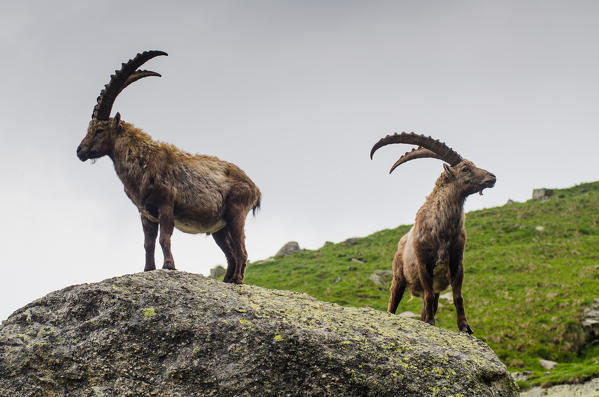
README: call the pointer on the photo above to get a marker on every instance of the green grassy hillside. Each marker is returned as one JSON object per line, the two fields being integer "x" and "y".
{"x": 525, "y": 287}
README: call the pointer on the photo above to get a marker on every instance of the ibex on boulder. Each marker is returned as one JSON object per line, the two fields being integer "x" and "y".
{"x": 170, "y": 187}
{"x": 429, "y": 257}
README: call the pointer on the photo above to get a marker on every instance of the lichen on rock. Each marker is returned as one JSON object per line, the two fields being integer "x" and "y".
{"x": 180, "y": 334}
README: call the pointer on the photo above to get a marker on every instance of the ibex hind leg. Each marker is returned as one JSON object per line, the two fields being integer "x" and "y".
{"x": 236, "y": 224}
{"x": 223, "y": 240}
{"x": 398, "y": 286}
{"x": 399, "y": 283}
{"x": 231, "y": 239}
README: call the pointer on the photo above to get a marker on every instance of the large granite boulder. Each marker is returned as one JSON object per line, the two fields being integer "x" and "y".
{"x": 542, "y": 194}
{"x": 288, "y": 249}
{"x": 170, "y": 333}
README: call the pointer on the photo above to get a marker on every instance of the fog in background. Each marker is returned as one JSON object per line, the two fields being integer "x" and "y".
{"x": 293, "y": 92}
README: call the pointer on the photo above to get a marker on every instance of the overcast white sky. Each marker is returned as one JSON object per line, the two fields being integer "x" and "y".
{"x": 295, "y": 93}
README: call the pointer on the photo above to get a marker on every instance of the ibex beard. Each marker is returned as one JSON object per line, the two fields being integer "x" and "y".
{"x": 171, "y": 188}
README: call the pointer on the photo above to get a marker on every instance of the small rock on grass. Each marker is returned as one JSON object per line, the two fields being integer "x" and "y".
{"x": 408, "y": 314}
{"x": 547, "y": 364}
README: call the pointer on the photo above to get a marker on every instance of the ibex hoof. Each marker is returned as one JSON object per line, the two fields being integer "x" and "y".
{"x": 233, "y": 280}
{"x": 466, "y": 328}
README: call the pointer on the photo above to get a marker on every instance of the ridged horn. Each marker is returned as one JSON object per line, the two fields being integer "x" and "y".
{"x": 419, "y": 153}
{"x": 443, "y": 151}
{"x": 121, "y": 79}
{"x": 138, "y": 74}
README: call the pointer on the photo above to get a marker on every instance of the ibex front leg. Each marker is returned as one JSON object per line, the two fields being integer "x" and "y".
{"x": 428, "y": 302}
{"x": 457, "y": 277}
{"x": 150, "y": 233}
{"x": 167, "y": 223}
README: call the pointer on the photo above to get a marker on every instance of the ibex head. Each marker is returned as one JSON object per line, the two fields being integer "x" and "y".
{"x": 103, "y": 129}
{"x": 460, "y": 172}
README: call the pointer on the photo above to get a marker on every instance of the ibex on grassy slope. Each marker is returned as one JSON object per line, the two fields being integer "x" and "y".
{"x": 429, "y": 257}
{"x": 171, "y": 188}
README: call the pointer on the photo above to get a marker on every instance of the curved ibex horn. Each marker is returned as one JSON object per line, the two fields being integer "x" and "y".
{"x": 441, "y": 150}
{"x": 138, "y": 74}
{"x": 121, "y": 79}
{"x": 419, "y": 153}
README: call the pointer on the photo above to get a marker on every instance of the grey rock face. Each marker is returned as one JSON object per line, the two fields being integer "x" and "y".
{"x": 590, "y": 322}
{"x": 382, "y": 278}
{"x": 547, "y": 364}
{"x": 587, "y": 389}
{"x": 217, "y": 272}
{"x": 542, "y": 194}
{"x": 448, "y": 296}
{"x": 171, "y": 333}
{"x": 288, "y": 249}
{"x": 408, "y": 314}
{"x": 351, "y": 241}
{"x": 524, "y": 375}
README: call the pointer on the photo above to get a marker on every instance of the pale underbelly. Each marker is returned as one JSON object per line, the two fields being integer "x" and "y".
{"x": 193, "y": 227}
{"x": 441, "y": 277}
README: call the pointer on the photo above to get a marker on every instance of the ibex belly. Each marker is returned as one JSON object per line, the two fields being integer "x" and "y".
{"x": 207, "y": 219}
{"x": 187, "y": 226}
{"x": 441, "y": 277}
{"x": 192, "y": 227}
{"x": 199, "y": 207}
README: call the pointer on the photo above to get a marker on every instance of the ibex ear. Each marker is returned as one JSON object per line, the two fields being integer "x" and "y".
{"x": 116, "y": 121}
{"x": 448, "y": 170}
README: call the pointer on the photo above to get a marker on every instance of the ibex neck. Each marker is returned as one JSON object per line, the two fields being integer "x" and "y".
{"x": 132, "y": 144}
{"x": 132, "y": 151}
{"x": 443, "y": 211}
{"x": 448, "y": 196}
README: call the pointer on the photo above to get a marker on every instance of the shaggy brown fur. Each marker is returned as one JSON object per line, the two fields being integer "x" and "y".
{"x": 429, "y": 257}
{"x": 172, "y": 188}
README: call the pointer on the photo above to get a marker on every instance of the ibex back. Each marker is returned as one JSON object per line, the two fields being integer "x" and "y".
{"x": 429, "y": 257}
{"x": 171, "y": 188}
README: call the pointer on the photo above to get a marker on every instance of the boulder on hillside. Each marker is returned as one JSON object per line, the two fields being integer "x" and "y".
{"x": 217, "y": 272}
{"x": 289, "y": 248}
{"x": 542, "y": 194}
{"x": 590, "y": 322}
{"x": 170, "y": 333}
{"x": 351, "y": 241}
{"x": 382, "y": 278}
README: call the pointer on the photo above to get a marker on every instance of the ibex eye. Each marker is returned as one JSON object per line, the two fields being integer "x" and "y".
{"x": 99, "y": 131}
